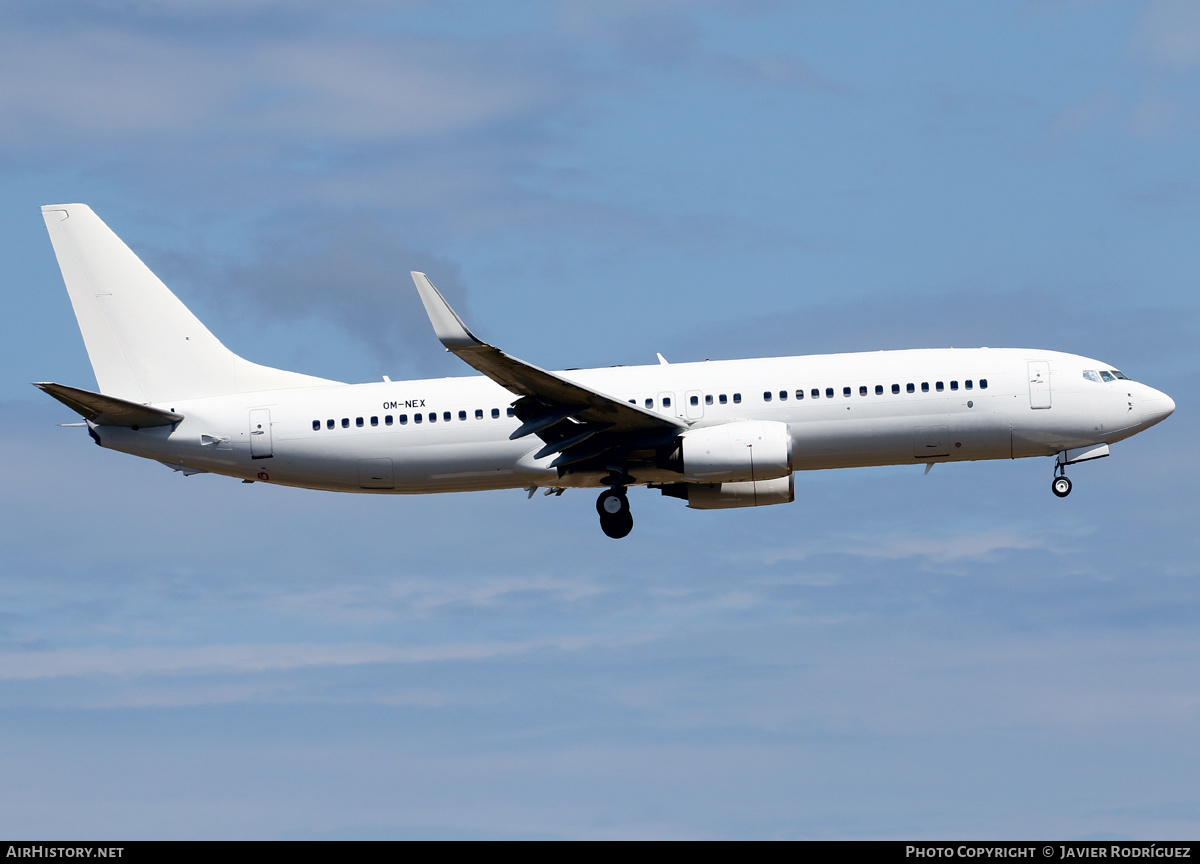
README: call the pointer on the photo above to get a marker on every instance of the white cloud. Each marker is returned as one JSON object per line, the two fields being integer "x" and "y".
{"x": 1169, "y": 35}
{"x": 244, "y": 658}
{"x": 940, "y": 549}
{"x": 120, "y": 84}
{"x": 1082, "y": 115}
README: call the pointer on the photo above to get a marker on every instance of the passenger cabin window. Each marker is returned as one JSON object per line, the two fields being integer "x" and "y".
{"x": 316, "y": 425}
{"x": 387, "y": 421}
{"x": 737, "y": 398}
{"x": 924, "y": 386}
{"x": 511, "y": 413}
{"x": 862, "y": 391}
{"x": 782, "y": 395}
{"x": 982, "y": 383}
{"x": 940, "y": 386}
{"x": 446, "y": 416}
{"x": 495, "y": 413}
{"x": 707, "y": 398}
{"x": 358, "y": 421}
{"x": 799, "y": 394}
{"x": 828, "y": 392}
{"x": 878, "y": 389}
{"x": 666, "y": 404}
{"x": 895, "y": 389}
{"x": 846, "y": 392}
{"x": 816, "y": 394}
{"x": 968, "y": 384}
{"x": 417, "y": 418}
{"x": 374, "y": 421}
{"x": 345, "y": 422}
{"x": 953, "y": 385}
{"x": 767, "y": 396}
{"x": 910, "y": 388}
{"x": 403, "y": 418}
{"x": 478, "y": 413}
{"x": 649, "y": 403}
{"x": 328, "y": 424}
{"x": 693, "y": 400}
{"x": 723, "y": 399}
{"x": 432, "y": 416}
{"x": 462, "y": 415}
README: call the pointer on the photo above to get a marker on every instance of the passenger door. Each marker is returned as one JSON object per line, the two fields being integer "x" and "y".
{"x": 260, "y": 433}
{"x": 1039, "y": 384}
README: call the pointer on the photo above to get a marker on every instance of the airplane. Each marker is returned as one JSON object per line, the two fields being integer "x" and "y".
{"x": 716, "y": 434}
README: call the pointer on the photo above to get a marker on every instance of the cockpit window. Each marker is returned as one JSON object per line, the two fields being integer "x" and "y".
{"x": 1106, "y": 376}
{"x": 1091, "y": 375}
{"x": 1117, "y": 374}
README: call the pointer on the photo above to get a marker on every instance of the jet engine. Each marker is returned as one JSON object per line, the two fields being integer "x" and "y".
{"x": 721, "y": 496}
{"x": 747, "y": 450}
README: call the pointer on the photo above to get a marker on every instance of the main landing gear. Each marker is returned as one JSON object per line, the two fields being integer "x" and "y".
{"x": 1061, "y": 486}
{"x": 613, "y": 506}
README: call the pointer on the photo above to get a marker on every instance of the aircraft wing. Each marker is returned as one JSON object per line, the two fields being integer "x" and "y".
{"x": 574, "y": 420}
{"x": 108, "y": 410}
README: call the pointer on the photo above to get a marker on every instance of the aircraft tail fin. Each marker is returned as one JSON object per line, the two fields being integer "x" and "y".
{"x": 144, "y": 345}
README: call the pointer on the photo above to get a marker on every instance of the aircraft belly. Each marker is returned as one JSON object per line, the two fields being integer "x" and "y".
{"x": 846, "y": 443}
{"x": 1076, "y": 420}
{"x": 970, "y": 433}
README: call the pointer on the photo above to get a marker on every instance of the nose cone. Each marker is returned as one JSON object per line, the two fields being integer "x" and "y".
{"x": 1156, "y": 407}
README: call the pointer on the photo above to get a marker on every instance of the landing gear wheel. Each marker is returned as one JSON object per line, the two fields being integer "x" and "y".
{"x": 615, "y": 519}
{"x": 611, "y": 502}
{"x": 617, "y": 525}
{"x": 1061, "y": 487}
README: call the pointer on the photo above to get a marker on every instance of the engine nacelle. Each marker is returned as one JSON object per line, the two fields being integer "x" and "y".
{"x": 748, "y": 450}
{"x": 748, "y": 493}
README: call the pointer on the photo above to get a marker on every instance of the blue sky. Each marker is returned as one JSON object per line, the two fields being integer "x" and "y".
{"x": 892, "y": 655}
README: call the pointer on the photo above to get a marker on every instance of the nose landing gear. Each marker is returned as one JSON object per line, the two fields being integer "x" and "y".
{"x": 1060, "y": 486}
{"x": 613, "y": 506}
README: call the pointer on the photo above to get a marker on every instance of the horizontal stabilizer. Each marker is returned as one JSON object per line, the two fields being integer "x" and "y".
{"x": 108, "y": 410}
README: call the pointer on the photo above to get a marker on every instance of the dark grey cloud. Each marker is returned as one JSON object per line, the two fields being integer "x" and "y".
{"x": 353, "y": 274}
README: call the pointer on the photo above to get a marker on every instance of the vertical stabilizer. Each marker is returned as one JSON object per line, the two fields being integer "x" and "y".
{"x": 144, "y": 344}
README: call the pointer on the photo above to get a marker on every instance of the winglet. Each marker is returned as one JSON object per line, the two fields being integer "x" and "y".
{"x": 449, "y": 328}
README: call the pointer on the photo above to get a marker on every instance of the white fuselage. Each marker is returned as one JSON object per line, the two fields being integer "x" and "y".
{"x": 875, "y": 408}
